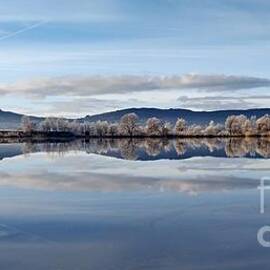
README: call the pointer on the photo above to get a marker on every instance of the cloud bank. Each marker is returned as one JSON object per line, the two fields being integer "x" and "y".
{"x": 102, "y": 85}
{"x": 221, "y": 102}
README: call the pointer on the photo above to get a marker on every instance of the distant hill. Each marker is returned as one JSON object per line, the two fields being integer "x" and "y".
{"x": 11, "y": 120}
{"x": 171, "y": 115}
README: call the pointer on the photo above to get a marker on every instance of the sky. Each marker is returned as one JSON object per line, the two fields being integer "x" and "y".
{"x": 72, "y": 58}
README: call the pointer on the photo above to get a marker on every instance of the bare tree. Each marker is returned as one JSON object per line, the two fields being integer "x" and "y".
{"x": 193, "y": 131}
{"x": 92, "y": 130}
{"x": 113, "y": 130}
{"x": 45, "y": 125}
{"x": 102, "y": 128}
{"x": 166, "y": 129}
{"x": 26, "y": 124}
{"x": 62, "y": 124}
{"x": 263, "y": 124}
{"x": 229, "y": 124}
{"x": 75, "y": 127}
{"x": 153, "y": 127}
{"x": 235, "y": 124}
{"x": 248, "y": 128}
{"x": 213, "y": 129}
{"x": 180, "y": 127}
{"x": 128, "y": 124}
{"x": 49, "y": 124}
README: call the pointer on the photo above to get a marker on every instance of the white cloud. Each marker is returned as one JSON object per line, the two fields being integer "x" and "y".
{"x": 101, "y": 85}
{"x": 76, "y": 96}
{"x": 223, "y": 102}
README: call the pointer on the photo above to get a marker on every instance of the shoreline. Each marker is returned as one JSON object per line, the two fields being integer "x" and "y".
{"x": 54, "y": 135}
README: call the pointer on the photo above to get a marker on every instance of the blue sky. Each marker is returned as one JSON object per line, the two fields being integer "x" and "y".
{"x": 57, "y": 46}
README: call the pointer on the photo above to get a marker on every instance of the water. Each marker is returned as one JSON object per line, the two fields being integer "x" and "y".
{"x": 143, "y": 204}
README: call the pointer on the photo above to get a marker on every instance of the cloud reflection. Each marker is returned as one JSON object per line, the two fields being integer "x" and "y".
{"x": 79, "y": 171}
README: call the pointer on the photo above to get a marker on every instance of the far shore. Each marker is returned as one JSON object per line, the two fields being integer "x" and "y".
{"x": 130, "y": 126}
{"x": 55, "y": 135}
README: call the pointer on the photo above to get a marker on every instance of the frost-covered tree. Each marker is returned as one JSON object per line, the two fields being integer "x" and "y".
{"x": 253, "y": 122}
{"x": 263, "y": 124}
{"x": 194, "y": 130}
{"x": 49, "y": 124}
{"x": 235, "y": 124}
{"x": 180, "y": 127}
{"x": 140, "y": 131}
{"x": 213, "y": 129}
{"x": 62, "y": 124}
{"x": 247, "y": 127}
{"x": 229, "y": 124}
{"x": 86, "y": 128}
{"x": 26, "y": 124}
{"x": 113, "y": 130}
{"x": 75, "y": 127}
{"x": 153, "y": 127}
{"x": 92, "y": 129}
{"x": 102, "y": 128}
{"x": 45, "y": 125}
{"x": 128, "y": 124}
{"x": 166, "y": 129}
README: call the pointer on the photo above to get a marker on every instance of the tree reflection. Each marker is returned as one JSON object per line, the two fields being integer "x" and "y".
{"x": 180, "y": 147}
{"x": 154, "y": 148}
{"x": 240, "y": 147}
{"x": 128, "y": 148}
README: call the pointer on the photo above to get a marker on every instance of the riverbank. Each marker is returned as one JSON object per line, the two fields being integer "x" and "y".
{"x": 19, "y": 136}
{"x": 65, "y": 135}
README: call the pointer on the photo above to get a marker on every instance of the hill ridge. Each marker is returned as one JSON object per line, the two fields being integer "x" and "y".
{"x": 11, "y": 120}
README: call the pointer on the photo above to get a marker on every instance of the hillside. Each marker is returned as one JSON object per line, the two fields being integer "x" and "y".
{"x": 171, "y": 115}
{"x": 11, "y": 120}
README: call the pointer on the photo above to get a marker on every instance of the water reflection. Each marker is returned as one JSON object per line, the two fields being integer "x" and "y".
{"x": 64, "y": 205}
{"x": 80, "y": 166}
{"x": 149, "y": 149}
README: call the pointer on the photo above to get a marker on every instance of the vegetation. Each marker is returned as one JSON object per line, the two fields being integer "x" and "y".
{"x": 130, "y": 126}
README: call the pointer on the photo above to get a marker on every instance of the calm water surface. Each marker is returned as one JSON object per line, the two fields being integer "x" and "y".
{"x": 133, "y": 205}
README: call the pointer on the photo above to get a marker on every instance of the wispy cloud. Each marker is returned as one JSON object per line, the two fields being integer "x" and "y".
{"x": 223, "y": 102}
{"x": 59, "y": 11}
{"x": 22, "y": 30}
{"x": 102, "y": 85}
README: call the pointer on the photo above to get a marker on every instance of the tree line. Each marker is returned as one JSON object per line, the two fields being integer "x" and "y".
{"x": 131, "y": 126}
